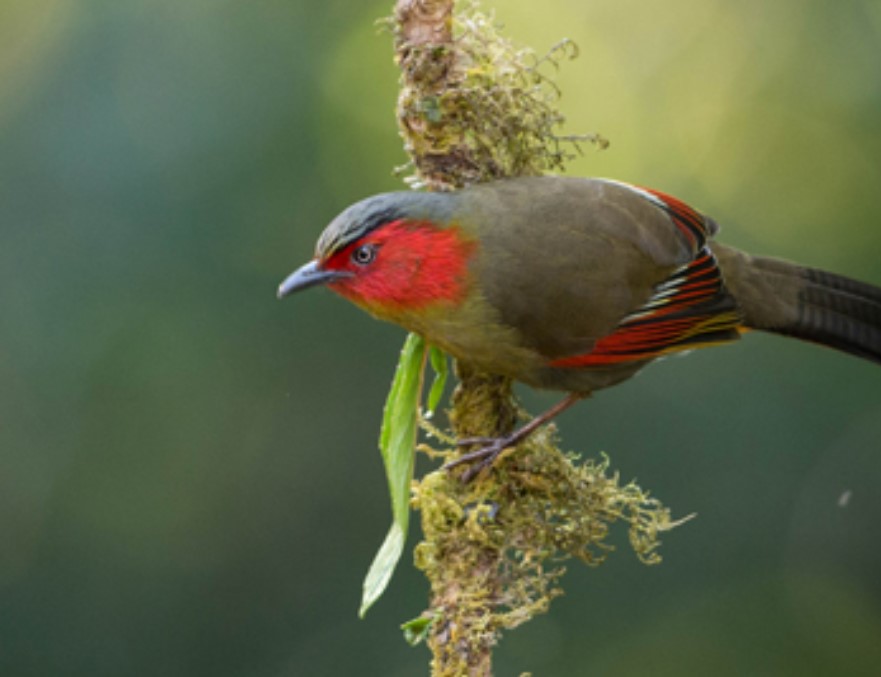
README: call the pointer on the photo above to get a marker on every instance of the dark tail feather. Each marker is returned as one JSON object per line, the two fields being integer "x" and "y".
{"x": 806, "y": 303}
{"x": 839, "y": 312}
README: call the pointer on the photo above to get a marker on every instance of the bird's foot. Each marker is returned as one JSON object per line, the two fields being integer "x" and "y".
{"x": 489, "y": 449}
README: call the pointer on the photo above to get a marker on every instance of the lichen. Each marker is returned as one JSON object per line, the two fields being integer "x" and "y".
{"x": 494, "y": 549}
{"x": 481, "y": 108}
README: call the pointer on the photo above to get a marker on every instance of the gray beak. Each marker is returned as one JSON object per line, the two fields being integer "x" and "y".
{"x": 309, "y": 275}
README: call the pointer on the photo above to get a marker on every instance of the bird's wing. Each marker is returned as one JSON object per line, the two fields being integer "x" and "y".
{"x": 613, "y": 273}
{"x": 689, "y": 309}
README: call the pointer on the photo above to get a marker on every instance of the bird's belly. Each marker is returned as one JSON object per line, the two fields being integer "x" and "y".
{"x": 499, "y": 349}
{"x": 490, "y": 347}
{"x": 585, "y": 379}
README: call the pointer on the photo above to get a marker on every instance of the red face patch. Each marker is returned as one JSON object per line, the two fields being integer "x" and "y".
{"x": 416, "y": 264}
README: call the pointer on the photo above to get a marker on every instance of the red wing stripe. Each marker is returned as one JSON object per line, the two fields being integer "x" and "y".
{"x": 688, "y": 220}
{"x": 690, "y": 308}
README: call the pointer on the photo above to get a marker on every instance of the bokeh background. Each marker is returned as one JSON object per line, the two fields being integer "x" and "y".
{"x": 189, "y": 483}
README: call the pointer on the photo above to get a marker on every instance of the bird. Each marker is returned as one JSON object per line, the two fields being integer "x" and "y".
{"x": 571, "y": 284}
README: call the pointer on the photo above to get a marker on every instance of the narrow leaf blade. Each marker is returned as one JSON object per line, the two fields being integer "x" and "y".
{"x": 440, "y": 366}
{"x": 380, "y": 572}
{"x": 397, "y": 442}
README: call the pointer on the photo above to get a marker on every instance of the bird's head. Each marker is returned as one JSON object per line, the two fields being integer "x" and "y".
{"x": 392, "y": 254}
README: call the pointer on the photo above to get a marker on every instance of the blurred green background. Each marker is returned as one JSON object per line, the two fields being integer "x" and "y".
{"x": 189, "y": 482}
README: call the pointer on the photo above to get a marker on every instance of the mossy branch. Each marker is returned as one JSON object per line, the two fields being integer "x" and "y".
{"x": 473, "y": 107}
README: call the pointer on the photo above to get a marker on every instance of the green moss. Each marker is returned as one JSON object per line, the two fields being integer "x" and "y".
{"x": 481, "y": 108}
{"x": 494, "y": 549}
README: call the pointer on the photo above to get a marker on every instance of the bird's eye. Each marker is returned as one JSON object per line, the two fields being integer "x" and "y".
{"x": 364, "y": 254}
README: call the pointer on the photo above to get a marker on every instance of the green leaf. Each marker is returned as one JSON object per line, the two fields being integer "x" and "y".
{"x": 397, "y": 442}
{"x": 431, "y": 108}
{"x": 417, "y": 630}
{"x": 380, "y": 572}
{"x": 441, "y": 369}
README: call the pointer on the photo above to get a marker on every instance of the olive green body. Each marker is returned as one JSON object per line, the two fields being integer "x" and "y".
{"x": 559, "y": 263}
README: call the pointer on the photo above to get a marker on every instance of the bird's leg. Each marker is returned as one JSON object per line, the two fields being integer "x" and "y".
{"x": 491, "y": 447}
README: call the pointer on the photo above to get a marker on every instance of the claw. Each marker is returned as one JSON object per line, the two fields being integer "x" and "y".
{"x": 492, "y": 447}
{"x": 477, "y": 468}
{"x": 483, "y": 457}
{"x": 480, "y": 458}
{"x": 471, "y": 441}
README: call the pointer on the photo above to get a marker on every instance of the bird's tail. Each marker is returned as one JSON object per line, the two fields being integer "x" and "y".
{"x": 806, "y": 303}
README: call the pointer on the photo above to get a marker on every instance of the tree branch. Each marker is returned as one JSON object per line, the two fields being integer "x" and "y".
{"x": 473, "y": 107}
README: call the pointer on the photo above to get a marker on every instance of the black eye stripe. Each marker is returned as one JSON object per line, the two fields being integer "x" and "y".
{"x": 332, "y": 241}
